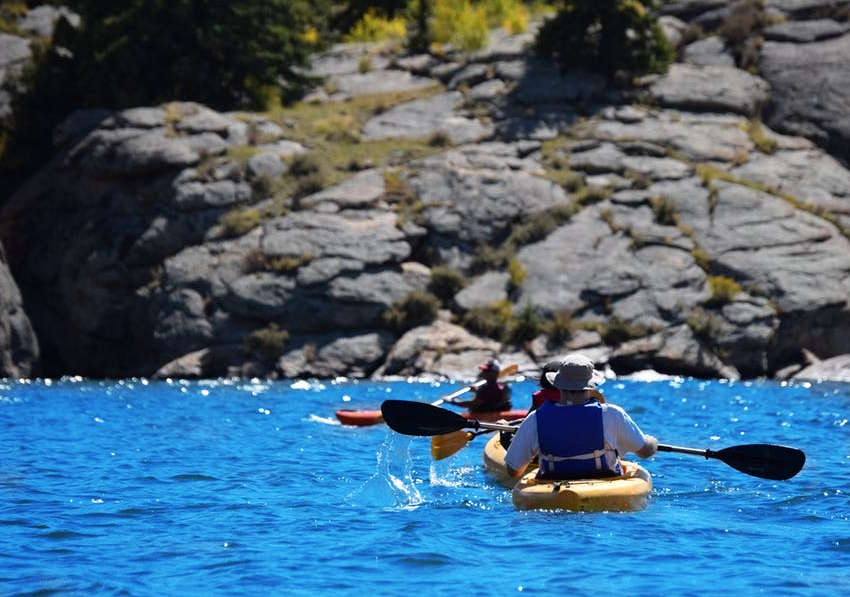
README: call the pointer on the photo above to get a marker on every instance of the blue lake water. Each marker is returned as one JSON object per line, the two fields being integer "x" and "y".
{"x": 139, "y": 488}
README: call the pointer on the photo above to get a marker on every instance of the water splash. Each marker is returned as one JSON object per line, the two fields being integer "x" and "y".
{"x": 392, "y": 486}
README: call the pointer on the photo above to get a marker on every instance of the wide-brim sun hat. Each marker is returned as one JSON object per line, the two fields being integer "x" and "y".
{"x": 575, "y": 372}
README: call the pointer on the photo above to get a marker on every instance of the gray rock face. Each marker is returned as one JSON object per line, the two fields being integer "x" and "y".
{"x": 804, "y": 8}
{"x": 326, "y": 356}
{"x": 485, "y": 290}
{"x": 41, "y": 20}
{"x": 469, "y": 205}
{"x": 676, "y": 351}
{"x": 806, "y": 31}
{"x": 793, "y": 71}
{"x": 710, "y": 51}
{"x": 541, "y": 83}
{"x": 810, "y": 176}
{"x": 19, "y": 350}
{"x": 383, "y": 81}
{"x": 132, "y": 151}
{"x": 442, "y": 348}
{"x": 710, "y": 88}
{"x": 425, "y": 117}
{"x": 834, "y": 369}
{"x": 362, "y": 190}
{"x": 582, "y": 267}
{"x": 698, "y": 137}
{"x": 344, "y": 59}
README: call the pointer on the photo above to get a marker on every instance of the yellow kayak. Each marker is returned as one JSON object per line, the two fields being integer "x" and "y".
{"x": 626, "y": 493}
{"x": 494, "y": 463}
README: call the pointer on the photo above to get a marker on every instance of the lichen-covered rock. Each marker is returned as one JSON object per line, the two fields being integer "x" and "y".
{"x": 426, "y": 117}
{"x": 710, "y": 88}
{"x": 332, "y": 355}
{"x": 806, "y": 31}
{"x": 442, "y": 348}
{"x": 793, "y": 71}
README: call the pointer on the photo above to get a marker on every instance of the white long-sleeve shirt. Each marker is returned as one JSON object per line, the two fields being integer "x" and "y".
{"x": 620, "y": 431}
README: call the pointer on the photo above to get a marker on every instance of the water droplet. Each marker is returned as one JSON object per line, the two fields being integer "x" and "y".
{"x": 346, "y": 398}
{"x": 98, "y": 420}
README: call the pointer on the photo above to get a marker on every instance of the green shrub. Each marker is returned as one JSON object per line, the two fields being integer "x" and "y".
{"x": 705, "y": 325}
{"x": 364, "y": 65}
{"x": 560, "y": 328}
{"x": 723, "y": 290}
{"x": 616, "y": 331}
{"x": 490, "y": 321}
{"x": 516, "y": 273}
{"x": 240, "y": 221}
{"x": 417, "y": 308}
{"x": 374, "y": 26}
{"x": 606, "y": 36}
{"x": 439, "y": 139}
{"x": 459, "y": 23}
{"x": 664, "y": 209}
{"x": 267, "y": 342}
{"x": 446, "y": 282}
{"x": 525, "y": 326}
{"x": 511, "y": 15}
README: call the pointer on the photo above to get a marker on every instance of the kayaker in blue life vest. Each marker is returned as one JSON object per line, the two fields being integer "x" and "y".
{"x": 577, "y": 437}
{"x": 492, "y": 396}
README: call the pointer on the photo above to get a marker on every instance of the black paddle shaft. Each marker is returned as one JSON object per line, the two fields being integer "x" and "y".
{"x": 766, "y": 461}
{"x": 419, "y": 418}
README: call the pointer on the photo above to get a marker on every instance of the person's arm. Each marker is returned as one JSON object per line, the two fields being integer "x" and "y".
{"x": 628, "y": 436}
{"x": 523, "y": 447}
{"x": 650, "y": 447}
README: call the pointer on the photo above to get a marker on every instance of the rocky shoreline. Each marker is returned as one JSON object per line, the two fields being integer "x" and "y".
{"x": 665, "y": 226}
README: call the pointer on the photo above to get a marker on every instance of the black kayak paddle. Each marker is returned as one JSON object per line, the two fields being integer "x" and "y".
{"x": 767, "y": 461}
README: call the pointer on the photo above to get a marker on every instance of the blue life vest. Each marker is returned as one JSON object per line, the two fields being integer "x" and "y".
{"x": 572, "y": 442}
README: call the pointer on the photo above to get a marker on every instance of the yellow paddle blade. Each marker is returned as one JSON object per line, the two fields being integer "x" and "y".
{"x": 443, "y": 446}
{"x": 509, "y": 370}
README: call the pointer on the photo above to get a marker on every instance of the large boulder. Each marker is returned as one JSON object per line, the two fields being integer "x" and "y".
{"x": 710, "y": 89}
{"x": 426, "y": 117}
{"x": 19, "y": 351}
{"x": 834, "y": 369}
{"x": 794, "y": 70}
{"x": 441, "y": 348}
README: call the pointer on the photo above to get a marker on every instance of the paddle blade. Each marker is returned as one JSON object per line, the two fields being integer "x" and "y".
{"x": 443, "y": 446}
{"x": 418, "y": 418}
{"x": 767, "y": 461}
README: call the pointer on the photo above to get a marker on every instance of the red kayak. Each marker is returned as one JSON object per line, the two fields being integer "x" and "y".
{"x": 363, "y": 418}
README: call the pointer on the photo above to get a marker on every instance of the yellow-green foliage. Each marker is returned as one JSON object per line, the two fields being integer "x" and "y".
{"x": 376, "y": 27}
{"x": 723, "y": 290}
{"x": 460, "y": 23}
{"x": 755, "y": 130}
{"x": 508, "y": 14}
{"x": 517, "y": 273}
{"x": 416, "y": 308}
{"x": 701, "y": 258}
{"x": 525, "y": 326}
{"x": 240, "y": 221}
{"x": 267, "y": 342}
